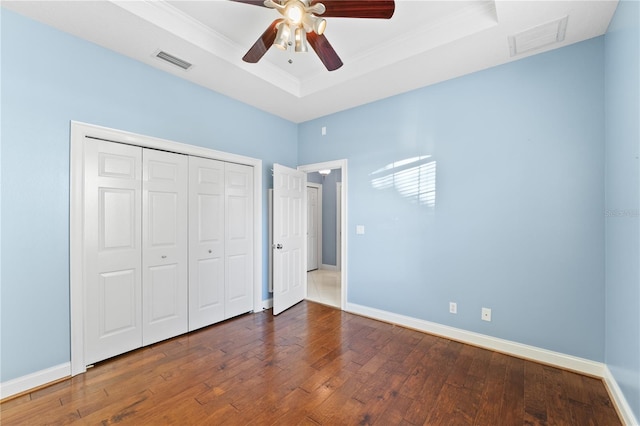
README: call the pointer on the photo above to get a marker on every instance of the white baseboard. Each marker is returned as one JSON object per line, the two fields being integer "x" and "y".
{"x": 34, "y": 380}
{"x": 520, "y": 350}
{"x": 619, "y": 400}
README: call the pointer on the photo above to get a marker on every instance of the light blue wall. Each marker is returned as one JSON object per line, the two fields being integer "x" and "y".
{"x": 622, "y": 215}
{"x": 48, "y": 79}
{"x": 517, "y": 224}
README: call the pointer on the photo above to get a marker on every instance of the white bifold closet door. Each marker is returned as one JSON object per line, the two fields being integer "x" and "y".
{"x": 206, "y": 242}
{"x": 238, "y": 218}
{"x": 135, "y": 247}
{"x": 164, "y": 245}
{"x": 220, "y": 241}
{"x": 113, "y": 249}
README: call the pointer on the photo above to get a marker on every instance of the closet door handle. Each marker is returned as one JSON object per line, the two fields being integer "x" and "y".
{"x": 164, "y": 256}
{"x": 210, "y": 251}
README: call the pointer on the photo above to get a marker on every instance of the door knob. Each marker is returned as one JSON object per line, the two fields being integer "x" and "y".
{"x": 279, "y": 246}
{"x": 209, "y": 250}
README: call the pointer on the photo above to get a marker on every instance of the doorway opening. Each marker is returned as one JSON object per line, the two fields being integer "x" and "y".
{"x": 326, "y": 241}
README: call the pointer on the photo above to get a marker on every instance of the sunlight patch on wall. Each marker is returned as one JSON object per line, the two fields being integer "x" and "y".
{"x": 414, "y": 178}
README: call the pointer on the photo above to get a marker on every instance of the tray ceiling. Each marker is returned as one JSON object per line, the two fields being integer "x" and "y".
{"x": 425, "y": 42}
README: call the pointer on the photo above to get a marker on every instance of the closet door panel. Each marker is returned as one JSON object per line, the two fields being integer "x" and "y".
{"x": 206, "y": 242}
{"x": 165, "y": 245}
{"x": 112, "y": 249}
{"x": 118, "y": 309}
{"x": 238, "y": 239}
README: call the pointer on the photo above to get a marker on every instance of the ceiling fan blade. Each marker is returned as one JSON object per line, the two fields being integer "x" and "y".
{"x": 261, "y": 45}
{"x": 325, "y": 51}
{"x": 373, "y": 9}
{"x": 253, "y": 2}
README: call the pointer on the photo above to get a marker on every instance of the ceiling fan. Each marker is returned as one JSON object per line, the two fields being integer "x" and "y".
{"x": 305, "y": 20}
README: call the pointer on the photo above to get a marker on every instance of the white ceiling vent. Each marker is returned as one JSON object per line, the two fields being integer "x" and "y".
{"x": 173, "y": 60}
{"x": 537, "y": 37}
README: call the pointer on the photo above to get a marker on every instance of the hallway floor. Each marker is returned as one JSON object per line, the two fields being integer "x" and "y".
{"x": 323, "y": 286}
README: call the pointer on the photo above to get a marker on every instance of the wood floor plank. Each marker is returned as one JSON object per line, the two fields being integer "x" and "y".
{"x": 581, "y": 414}
{"x": 603, "y": 409}
{"x": 574, "y": 387}
{"x": 455, "y": 406}
{"x": 477, "y": 373}
{"x": 123, "y": 409}
{"x": 339, "y": 367}
{"x": 513, "y": 398}
{"x": 394, "y": 413}
{"x": 535, "y": 405}
{"x": 40, "y": 411}
{"x": 437, "y": 365}
{"x": 339, "y": 402}
{"x": 298, "y": 405}
{"x": 315, "y": 365}
{"x": 422, "y": 368}
{"x": 558, "y": 405}
{"x": 491, "y": 402}
{"x": 460, "y": 373}
{"x": 379, "y": 392}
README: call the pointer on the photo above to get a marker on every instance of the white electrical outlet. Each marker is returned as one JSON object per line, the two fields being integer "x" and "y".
{"x": 486, "y": 314}
{"x": 453, "y": 307}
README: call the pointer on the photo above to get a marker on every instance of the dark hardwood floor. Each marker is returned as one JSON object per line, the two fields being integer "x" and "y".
{"x": 315, "y": 365}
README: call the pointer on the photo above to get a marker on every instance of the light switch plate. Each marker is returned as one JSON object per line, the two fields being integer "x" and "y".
{"x": 360, "y": 229}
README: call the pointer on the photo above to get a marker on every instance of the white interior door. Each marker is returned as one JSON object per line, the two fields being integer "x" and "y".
{"x": 312, "y": 228}
{"x": 238, "y": 291}
{"x": 206, "y": 242}
{"x": 289, "y": 217}
{"x": 113, "y": 283}
{"x": 164, "y": 245}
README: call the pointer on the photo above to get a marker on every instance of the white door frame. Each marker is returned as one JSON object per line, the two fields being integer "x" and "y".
{"x": 318, "y": 222}
{"x": 338, "y": 225}
{"x": 342, "y": 165}
{"x": 79, "y": 131}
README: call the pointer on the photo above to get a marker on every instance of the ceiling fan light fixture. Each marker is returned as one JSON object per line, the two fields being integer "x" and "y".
{"x": 282, "y": 36}
{"x": 319, "y": 26}
{"x": 294, "y": 12}
{"x": 315, "y": 24}
{"x": 301, "y": 40}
